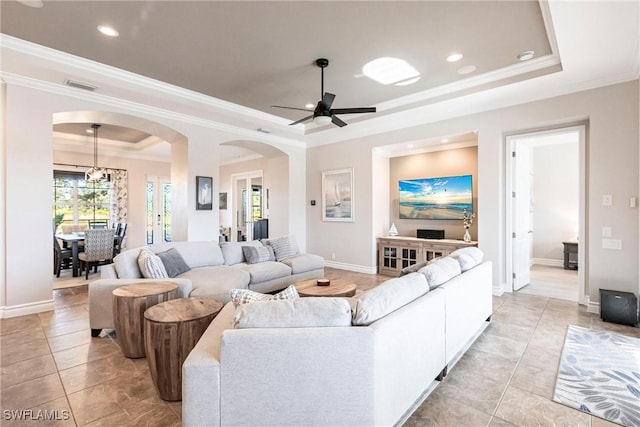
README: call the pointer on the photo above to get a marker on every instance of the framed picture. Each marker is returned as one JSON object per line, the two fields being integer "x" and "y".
{"x": 204, "y": 193}
{"x": 223, "y": 201}
{"x": 337, "y": 195}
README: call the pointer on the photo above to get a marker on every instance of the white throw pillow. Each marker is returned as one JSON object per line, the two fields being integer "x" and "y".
{"x": 468, "y": 257}
{"x": 151, "y": 265}
{"x": 440, "y": 271}
{"x": 297, "y": 313}
{"x": 283, "y": 248}
{"x": 245, "y": 296}
{"x": 388, "y": 297}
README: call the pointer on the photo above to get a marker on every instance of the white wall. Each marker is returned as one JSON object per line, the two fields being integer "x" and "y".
{"x": 555, "y": 199}
{"x": 613, "y": 139}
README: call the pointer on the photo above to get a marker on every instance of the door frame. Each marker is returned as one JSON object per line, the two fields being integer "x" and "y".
{"x": 158, "y": 228}
{"x": 233, "y": 200}
{"x": 510, "y": 141}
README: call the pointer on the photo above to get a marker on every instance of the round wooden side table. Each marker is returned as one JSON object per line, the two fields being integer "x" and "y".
{"x": 129, "y": 305}
{"x": 337, "y": 288}
{"x": 171, "y": 331}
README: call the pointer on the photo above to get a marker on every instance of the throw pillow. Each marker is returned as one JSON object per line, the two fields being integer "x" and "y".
{"x": 283, "y": 248}
{"x": 298, "y": 313}
{"x": 272, "y": 254}
{"x": 245, "y": 296}
{"x": 255, "y": 254}
{"x": 441, "y": 270}
{"x": 468, "y": 257}
{"x": 413, "y": 268}
{"x": 173, "y": 262}
{"x": 151, "y": 265}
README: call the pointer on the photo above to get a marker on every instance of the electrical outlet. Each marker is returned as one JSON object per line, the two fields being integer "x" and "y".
{"x": 606, "y": 231}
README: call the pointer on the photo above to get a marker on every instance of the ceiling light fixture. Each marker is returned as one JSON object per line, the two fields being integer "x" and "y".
{"x": 525, "y": 56}
{"x": 108, "y": 31}
{"x": 454, "y": 57}
{"x": 95, "y": 173}
{"x": 467, "y": 69}
{"x": 309, "y": 105}
{"x": 322, "y": 120}
{"x": 387, "y": 70}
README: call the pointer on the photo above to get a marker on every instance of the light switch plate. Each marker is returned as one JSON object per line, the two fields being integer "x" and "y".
{"x": 611, "y": 244}
{"x": 606, "y": 231}
{"x": 633, "y": 202}
{"x": 607, "y": 200}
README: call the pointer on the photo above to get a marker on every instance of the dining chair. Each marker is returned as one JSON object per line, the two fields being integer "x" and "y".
{"x": 61, "y": 257}
{"x": 98, "y": 249}
{"x": 121, "y": 230}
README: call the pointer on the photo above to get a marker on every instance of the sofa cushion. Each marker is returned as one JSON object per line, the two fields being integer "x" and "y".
{"x": 388, "y": 297}
{"x": 304, "y": 262}
{"x": 283, "y": 248}
{"x": 255, "y": 255}
{"x": 173, "y": 262}
{"x": 151, "y": 265}
{"x": 216, "y": 282}
{"x": 441, "y": 270}
{"x": 264, "y": 271}
{"x": 245, "y": 296}
{"x": 467, "y": 257}
{"x": 232, "y": 251}
{"x": 200, "y": 254}
{"x": 297, "y": 313}
{"x": 126, "y": 264}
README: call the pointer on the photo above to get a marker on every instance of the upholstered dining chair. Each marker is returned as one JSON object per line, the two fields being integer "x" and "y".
{"x": 61, "y": 257}
{"x": 121, "y": 230}
{"x": 98, "y": 249}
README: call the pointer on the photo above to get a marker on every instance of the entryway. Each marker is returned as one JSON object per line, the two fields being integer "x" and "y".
{"x": 546, "y": 213}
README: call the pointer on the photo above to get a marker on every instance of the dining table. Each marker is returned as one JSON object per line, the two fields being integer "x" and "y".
{"x": 73, "y": 239}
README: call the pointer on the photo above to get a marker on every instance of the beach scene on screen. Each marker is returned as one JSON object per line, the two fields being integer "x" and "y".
{"x": 436, "y": 198}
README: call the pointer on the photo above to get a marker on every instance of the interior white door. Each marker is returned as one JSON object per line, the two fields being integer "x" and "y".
{"x": 247, "y": 203}
{"x": 522, "y": 209}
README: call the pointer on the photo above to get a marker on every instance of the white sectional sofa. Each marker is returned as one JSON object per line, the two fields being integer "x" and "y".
{"x": 215, "y": 268}
{"x": 363, "y": 361}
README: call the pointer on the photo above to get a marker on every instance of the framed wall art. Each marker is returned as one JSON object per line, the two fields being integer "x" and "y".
{"x": 223, "y": 201}
{"x": 204, "y": 193}
{"x": 337, "y": 195}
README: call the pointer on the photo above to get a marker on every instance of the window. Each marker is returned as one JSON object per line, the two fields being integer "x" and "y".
{"x": 77, "y": 201}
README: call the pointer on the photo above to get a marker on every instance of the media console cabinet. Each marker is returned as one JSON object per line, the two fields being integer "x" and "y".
{"x": 396, "y": 253}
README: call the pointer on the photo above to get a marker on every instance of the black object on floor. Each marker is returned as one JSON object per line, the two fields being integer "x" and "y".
{"x": 618, "y": 307}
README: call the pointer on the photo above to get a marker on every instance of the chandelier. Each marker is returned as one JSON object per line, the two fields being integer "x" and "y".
{"x": 95, "y": 173}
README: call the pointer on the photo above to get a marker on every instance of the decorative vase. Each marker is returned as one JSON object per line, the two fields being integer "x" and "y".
{"x": 467, "y": 236}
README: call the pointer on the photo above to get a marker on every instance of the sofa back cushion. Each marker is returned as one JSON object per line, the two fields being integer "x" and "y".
{"x": 388, "y": 297}
{"x": 126, "y": 264}
{"x": 440, "y": 270}
{"x": 467, "y": 257}
{"x": 297, "y": 313}
{"x": 232, "y": 251}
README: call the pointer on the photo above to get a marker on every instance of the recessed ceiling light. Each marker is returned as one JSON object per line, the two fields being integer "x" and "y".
{"x": 89, "y": 131}
{"x": 309, "y": 105}
{"x": 108, "y": 31}
{"x": 467, "y": 69}
{"x": 454, "y": 57}
{"x": 32, "y": 3}
{"x": 387, "y": 70}
{"x": 525, "y": 56}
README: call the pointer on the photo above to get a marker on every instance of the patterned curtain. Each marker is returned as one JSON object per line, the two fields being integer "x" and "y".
{"x": 119, "y": 195}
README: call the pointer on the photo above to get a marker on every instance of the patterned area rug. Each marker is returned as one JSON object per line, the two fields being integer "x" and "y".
{"x": 600, "y": 374}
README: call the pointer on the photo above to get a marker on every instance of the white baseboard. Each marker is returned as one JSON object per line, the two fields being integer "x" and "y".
{"x": 593, "y": 307}
{"x": 548, "y": 262}
{"x": 351, "y": 267}
{"x": 24, "y": 309}
{"x": 498, "y": 289}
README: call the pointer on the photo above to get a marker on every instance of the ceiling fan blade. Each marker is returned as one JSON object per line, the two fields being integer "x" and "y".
{"x": 301, "y": 120}
{"x": 327, "y": 99}
{"x": 291, "y": 108}
{"x": 336, "y": 121}
{"x": 353, "y": 110}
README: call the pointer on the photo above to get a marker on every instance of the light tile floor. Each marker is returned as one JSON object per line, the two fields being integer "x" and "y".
{"x": 50, "y": 362}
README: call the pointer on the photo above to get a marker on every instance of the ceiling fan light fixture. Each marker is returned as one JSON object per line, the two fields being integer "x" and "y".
{"x": 322, "y": 120}
{"x": 95, "y": 173}
{"x": 454, "y": 57}
{"x": 387, "y": 70}
{"x": 108, "y": 31}
{"x": 525, "y": 56}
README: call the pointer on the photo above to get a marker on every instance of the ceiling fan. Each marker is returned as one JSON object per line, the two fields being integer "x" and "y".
{"x": 323, "y": 113}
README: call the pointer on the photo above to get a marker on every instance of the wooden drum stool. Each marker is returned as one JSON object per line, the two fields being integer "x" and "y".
{"x": 171, "y": 331}
{"x": 129, "y": 305}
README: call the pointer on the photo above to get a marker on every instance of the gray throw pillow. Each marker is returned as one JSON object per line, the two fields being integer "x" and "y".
{"x": 413, "y": 268}
{"x": 173, "y": 262}
{"x": 255, "y": 255}
{"x": 283, "y": 248}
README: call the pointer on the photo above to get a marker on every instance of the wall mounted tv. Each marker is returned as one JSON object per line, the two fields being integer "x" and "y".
{"x": 436, "y": 198}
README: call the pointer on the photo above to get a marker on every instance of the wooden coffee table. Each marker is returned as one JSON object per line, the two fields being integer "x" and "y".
{"x": 129, "y": 305}
{"x": 337, "y": 288}
{"x": 171, "y": 331}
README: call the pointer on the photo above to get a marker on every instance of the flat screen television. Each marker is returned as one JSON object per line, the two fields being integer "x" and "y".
{"x": 445, "y": 197}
